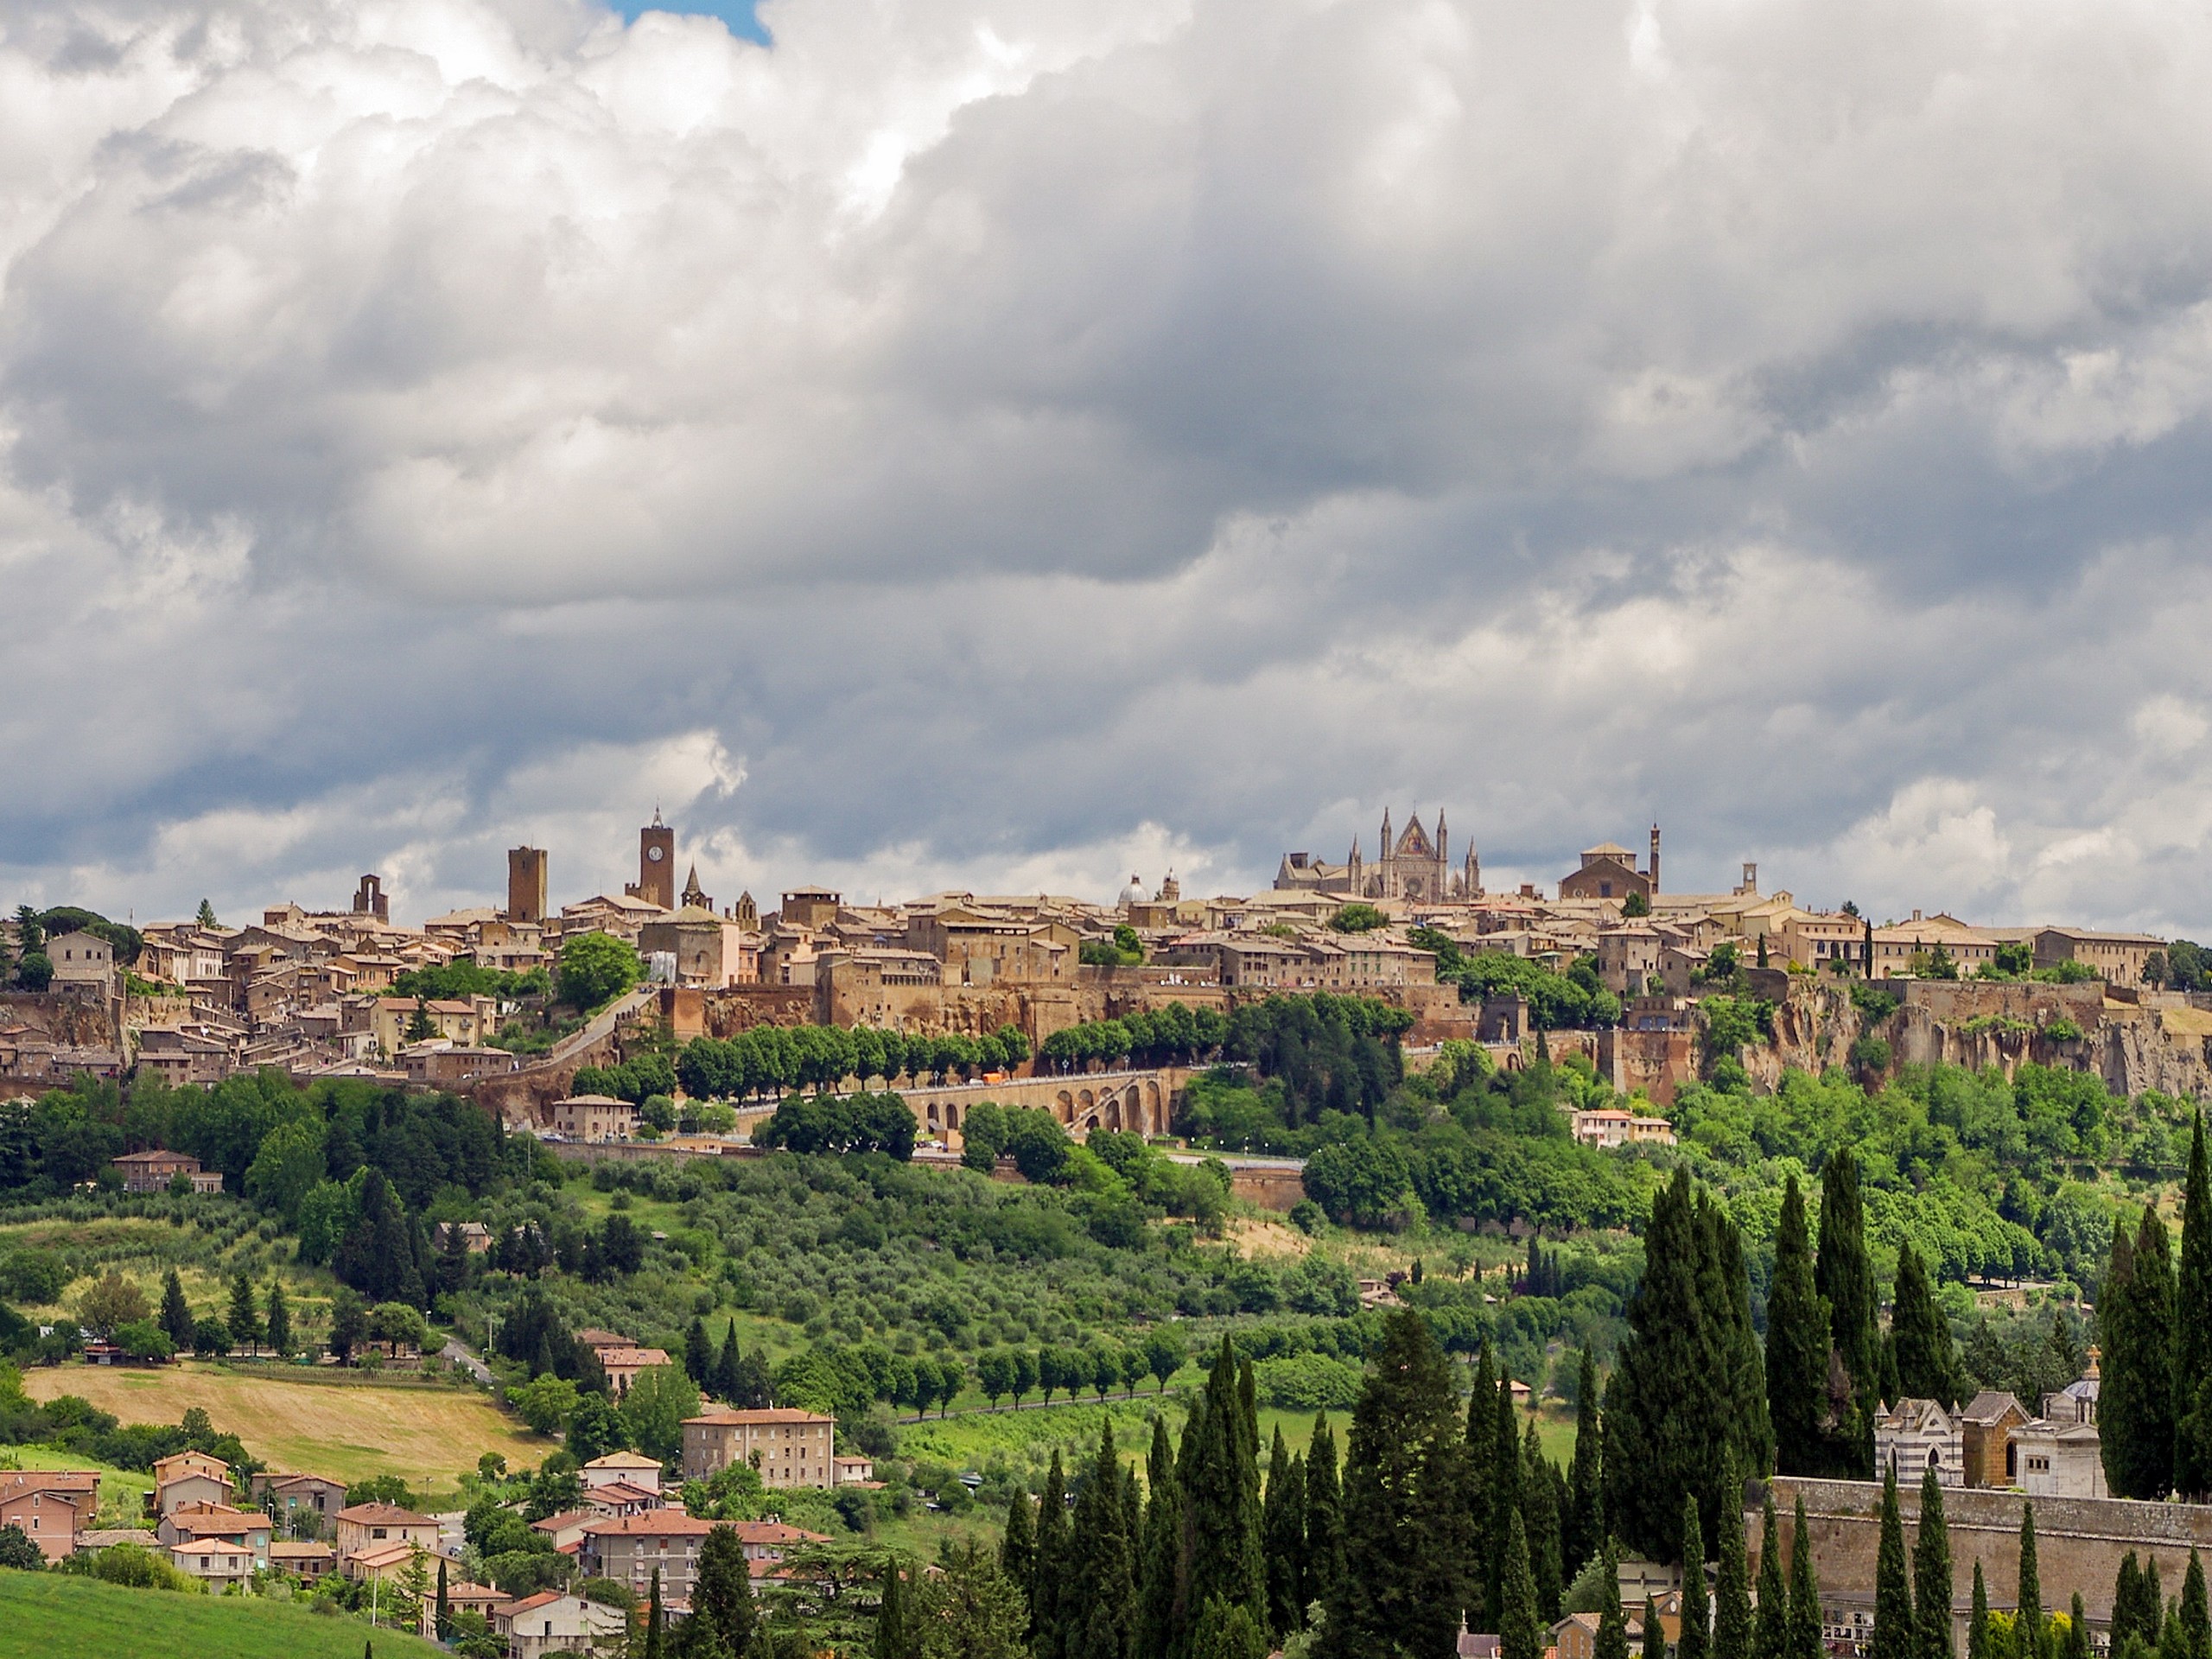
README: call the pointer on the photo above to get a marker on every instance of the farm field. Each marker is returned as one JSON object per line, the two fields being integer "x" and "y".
{"x": 350, "y": 1431}
{"x": 44, "y": 1614}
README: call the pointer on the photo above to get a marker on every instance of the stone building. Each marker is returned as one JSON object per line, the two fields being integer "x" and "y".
{"x": 1408, "y": 866}
{"x": 1915, "y": 1435}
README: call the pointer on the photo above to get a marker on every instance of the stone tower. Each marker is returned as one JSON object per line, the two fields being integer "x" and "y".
{"x": 525, "y": 884}
{"x": 656, "y": 865}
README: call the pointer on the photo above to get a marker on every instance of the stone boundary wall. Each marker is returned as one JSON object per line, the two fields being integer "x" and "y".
{"x": 2079, "y": 1541}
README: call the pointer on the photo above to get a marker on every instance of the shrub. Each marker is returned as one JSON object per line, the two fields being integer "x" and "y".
{"x": 1871, "y": 1055}
{"x": 2063, "y": 1030}
{"x": 1308, "y": 1382}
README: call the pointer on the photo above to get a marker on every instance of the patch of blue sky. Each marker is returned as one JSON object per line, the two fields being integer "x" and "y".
{"x": 738, "y": 14}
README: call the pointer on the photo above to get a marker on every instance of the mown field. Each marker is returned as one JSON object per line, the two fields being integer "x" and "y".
{"x": 44, "y": 1615}
{"x": 350, "y": 1431}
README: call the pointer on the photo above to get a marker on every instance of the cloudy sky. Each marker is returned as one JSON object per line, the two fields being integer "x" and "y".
{"x": 1012, "y": 443}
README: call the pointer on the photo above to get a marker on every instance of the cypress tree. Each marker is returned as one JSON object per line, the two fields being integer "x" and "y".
{"x": 1743, "y": 1426}
{"x": 1221, "y": 1500}
{"x": 2135, "y": 1416}
{"x": 1978, "y": 1619}
{"x": 1662, "y": 1433}
{"x": 1844, "y": 1275}
{"x": 2189, "y": 1614}
{"x": 280, "y": 1320}
{"x": 1405, "y": 1505}
{"x": 723, "y": 1608}
{"x": 1540, "y": 1517}
{"x": 2151, "y": 1619}
{"x": 1098, "y": 1621}
{"x": 1893, "y": 1626}
{"x": 1654, "y": 1631}
{"x": 1798, "y": 1343}
{"x": 245, "y": 1313}
{"x": 441, "y": 1610}
{"x": 1520, "y": 1632}
{"x": 1157, "y": 1613}
{"x": 1771, "y": 1625}
{"x": 1696, "y": 1641}
{"x": 1731, "y": 1589}
{"x": 1018, "y": 1547}
{"x": 1050, "y": 1567}
{"x": 2192, "y": 1331}
{"x": 1504, "y": 1490}
{"x": 2126, "y": 1596}
{"x": 894, "y": 1638}
{"x": 1282, "y": 1528}
{"x": 2077, "y": 1631}
{"x": 1482, "y": 1482}
{"x": 2173, "y": 1639}
{"x": 1325, "y": 1515}
{"x": 729, "y": 1368}
{"x": 176, "y": 1313}
{"x": 656, "y": 1622}
{"x": 2028, "y": 1631}
{"x": 1801, "y": 1635}
{"x": 1927, "y": 1359}
{"x": 1583, "y": 1532}
{"x": 699, "y": 1355}
{"x": 1612, "y": 1640}
{"x": 1931, "y": 1574}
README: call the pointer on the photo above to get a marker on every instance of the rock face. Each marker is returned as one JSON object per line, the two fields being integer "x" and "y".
{"x": 2133, "y": 1040}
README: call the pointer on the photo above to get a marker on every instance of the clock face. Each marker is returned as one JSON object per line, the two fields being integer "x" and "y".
{"x": 653, "y": 853}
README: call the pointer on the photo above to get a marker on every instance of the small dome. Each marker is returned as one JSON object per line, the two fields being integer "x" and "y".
{"x": 1132, "y": 894}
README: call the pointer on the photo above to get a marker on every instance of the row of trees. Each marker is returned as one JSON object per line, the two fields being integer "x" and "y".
{"x": 2154, "y": 1413}
{"x": 768, "y": 1059}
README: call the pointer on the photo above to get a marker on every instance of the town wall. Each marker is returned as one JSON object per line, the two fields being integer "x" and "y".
{"x": 2079, "y": 1541}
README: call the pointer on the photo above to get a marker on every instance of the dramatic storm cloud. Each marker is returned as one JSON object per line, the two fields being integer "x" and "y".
{"x": 1013, "y": 444}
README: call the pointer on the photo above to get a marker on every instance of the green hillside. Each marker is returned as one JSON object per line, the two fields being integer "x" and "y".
{"x": 46, "y": 1614}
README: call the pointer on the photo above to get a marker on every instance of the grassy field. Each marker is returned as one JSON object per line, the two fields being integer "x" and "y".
{"x": 46, "y": 1614}
{"x": 426, "y": 1436}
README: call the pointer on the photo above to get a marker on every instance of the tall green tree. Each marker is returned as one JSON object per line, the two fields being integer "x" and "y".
{"x": 2192, "y": 1330}
{"x": 2077, "y": 1631}
{"x": 280, "y": 1320}
{"x": 1050, "y": 1567}
{"x": 1405, "y": 1505}
{"x": 1654, "y": 1630}
{"x": 1770, "y": 1627}
{"x": 1732, "y": 1590}
{"x": 1801, "y": 1635}
{"x": 1690, "y": 1391}
{"x": 441, "y": 1610}
{"x": 1504, "y": 1490}
{"x": 244, "y": 1322}
{"x": 1797, "y": 1346}
{"x": 2135, "y": 1414}
{"x": 656, "y": 1633}
{"x": 1893, "y": 1635}
{"x": 2028, "y": 1632}
{"x": 1282, "y": 1536}
{"x": 723, "y": 1608}
{"x": 1931, "y": 1575}
{"x": 1583, "y": 1532}
{"x": 1325, "y": 1515}
{"x": 1543, "y": 1499}
{"x": 1483, "y": 1549}
{"x": 1160, "y": 1591}
{"x": 1843, "y": 1273}
{"x": 1100, "y": 1620}
{"x": 2190, "y": 1611}
{"x": 1221, "y": 1499}
{"x": 1018, "y": 1544}
{"x": 1611, "y": 1640}
{"x": 1926, "y": 1357}
{"x": 1978, "y": 1633}
{"x": 176, "y": 1313}
{"x": 1520, "y": 1631}
{"x": 1696, "y": 1640}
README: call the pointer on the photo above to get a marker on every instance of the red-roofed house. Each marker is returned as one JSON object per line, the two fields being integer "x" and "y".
{"x": 627, "y": 1547}
{"x": 549, "y": 1622}
{"x": 51, "y": 1506}
{"x": 788, "y": 1446}
{"x": 623, "y": 1365}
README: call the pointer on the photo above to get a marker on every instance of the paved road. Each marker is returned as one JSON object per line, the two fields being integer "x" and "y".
{"x": 454, "y": 1354}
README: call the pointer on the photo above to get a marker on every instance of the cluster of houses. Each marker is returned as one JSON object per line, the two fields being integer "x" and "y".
{"x": 1993, "y": 1441}
{"x": 627, "y": 1526}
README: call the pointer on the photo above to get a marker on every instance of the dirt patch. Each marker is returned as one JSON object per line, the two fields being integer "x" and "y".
{"x": 425, "y": 1436}
{"x": 1257, "y": 1239}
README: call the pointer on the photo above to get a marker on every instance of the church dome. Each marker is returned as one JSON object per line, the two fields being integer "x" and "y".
{"x": 1132, "y": 894}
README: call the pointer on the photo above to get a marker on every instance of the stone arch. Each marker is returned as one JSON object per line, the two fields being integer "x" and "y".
{"x": 1084, "y": 1100}
{"x": 1064, "y": 1106}
{"x": 931, "y": 1122}
{"x": 951, "y": 1115}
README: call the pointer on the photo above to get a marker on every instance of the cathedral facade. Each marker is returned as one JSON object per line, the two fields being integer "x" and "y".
{"x": 1409, "y": 866}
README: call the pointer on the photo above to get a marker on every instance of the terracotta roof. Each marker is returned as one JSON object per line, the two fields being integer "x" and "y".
{"x": 623, "y": 1461}
{"x": 654, "y": 1524}
{"x": 389, "y": 1514}
{"x": 384, "y": 1556}
{"x": 528, "y": 1604}
{"x": 775, "y": 1532}
{"x": 211, "y": 1547}
{"x": 760, "y": 1415}
{"x": 298, "y": 1549}
{"x": 564, "y": 1520}
{"x": 639, "y": 1358}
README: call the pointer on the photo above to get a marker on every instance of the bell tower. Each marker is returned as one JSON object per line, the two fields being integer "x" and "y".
{"x": 655, "y": 864}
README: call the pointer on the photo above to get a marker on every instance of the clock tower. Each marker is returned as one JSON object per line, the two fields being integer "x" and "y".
{"x": 657, "y": 864}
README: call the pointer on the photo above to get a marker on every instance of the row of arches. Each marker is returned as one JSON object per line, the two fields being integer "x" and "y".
{"x": 1139, "y": 1104}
